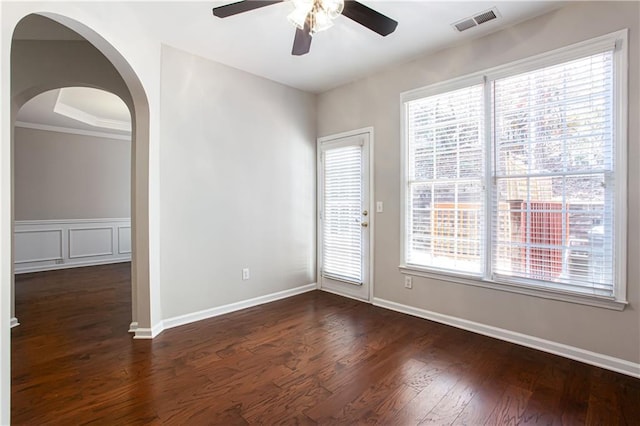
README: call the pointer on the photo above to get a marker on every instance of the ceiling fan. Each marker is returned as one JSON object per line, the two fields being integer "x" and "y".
{"x": 311, "y": 16}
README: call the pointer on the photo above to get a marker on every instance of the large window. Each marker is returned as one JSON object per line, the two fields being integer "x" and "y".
{"x": 516, "y": 178}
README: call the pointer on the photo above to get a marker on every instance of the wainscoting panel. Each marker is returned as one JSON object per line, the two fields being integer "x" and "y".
{"x": 42, "y": 245}
{"x": 124, "y": 239}
{"x": 38, "y": 245}
{"x": 90, "y": 242}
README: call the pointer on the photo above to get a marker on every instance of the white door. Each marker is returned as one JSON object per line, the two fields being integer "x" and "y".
{"x": 344, "y": 220}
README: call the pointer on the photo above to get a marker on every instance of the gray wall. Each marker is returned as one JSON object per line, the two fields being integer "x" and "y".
{"x": 375, "y": 101}
{"x": 69, "y": 176}
{"x": 237, "y": 166}
{"x": 45, "y": 65}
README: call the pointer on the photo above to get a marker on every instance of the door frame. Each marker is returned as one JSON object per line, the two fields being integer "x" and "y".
{"x": 371, "y": 228}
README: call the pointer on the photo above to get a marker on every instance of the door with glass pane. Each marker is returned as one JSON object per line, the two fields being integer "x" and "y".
{"x": 344, "y": 220}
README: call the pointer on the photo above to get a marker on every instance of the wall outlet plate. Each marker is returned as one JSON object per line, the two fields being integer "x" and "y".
{"x": 408, "y": 282}
{"x": 245, "y": 274}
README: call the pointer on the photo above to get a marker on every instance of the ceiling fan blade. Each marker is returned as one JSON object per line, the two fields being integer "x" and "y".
{"x": 369, "y": 18}
{"x": 240, "y": 7}
{"x": 302, "y": 41}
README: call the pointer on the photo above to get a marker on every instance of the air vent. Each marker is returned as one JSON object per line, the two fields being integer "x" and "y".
{"x": 484, "y": 17}
{"x": 476, "y": 20}
{"x": 465, "y": 25}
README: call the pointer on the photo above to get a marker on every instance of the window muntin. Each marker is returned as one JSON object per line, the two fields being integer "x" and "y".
{"x": 562, "y": 155}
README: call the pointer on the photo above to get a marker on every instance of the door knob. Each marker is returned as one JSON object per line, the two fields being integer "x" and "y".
{"x": 364, "y": 224}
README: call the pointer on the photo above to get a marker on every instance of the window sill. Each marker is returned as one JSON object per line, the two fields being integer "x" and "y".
{"x": 545, "y": 293}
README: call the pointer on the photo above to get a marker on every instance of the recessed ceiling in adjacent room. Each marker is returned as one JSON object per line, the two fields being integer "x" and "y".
{"x": 78, "y": 108}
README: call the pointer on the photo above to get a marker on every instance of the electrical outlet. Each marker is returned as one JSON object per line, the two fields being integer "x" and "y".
{"x": 379, "y": 207}
{"x": 245, "y": 274}
{"x": 408, "y": 282}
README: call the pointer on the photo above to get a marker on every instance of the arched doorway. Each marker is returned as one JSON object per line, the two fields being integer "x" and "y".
{"x": 145, "y": 296}
{"x": 42, "y": 64}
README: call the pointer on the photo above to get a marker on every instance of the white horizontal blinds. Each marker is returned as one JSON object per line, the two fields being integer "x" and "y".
{"x": 342, "y": 232}
{"x": 445, "y": 212}
{"x": 553, "y": 207}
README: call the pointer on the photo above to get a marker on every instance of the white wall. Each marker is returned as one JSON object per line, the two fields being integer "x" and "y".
{"x": 70, "y": 176}
{"x": 375, "y": 101}
{"x": 237, "y": 185}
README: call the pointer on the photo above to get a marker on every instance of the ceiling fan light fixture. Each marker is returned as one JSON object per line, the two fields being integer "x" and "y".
{"x": 301, "y": 11}
{"x": 311, "y": 16}
{"x": 333, "y": 8}
{"x": 321, "y": 22}
{"x": 317, "y": 14}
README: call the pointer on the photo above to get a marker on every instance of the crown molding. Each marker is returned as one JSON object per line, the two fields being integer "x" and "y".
{"x": 58, "y": 129}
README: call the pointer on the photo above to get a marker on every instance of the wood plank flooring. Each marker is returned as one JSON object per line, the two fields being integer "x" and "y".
{"x": 311, "y": 359}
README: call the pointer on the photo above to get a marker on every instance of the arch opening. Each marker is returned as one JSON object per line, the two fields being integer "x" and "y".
{"x": 70, "y": 54}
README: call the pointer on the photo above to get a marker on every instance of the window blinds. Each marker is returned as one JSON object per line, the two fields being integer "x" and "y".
{"x": 445, "y": 215}
{"x": 342, "y": 231}
{"x": 554, "y": 187}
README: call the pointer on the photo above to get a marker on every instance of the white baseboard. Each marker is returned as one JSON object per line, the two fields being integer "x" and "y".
{"x": 43, "y": 268}
{"x": 148, "y": 333}
{"x": 599, "y": 360}
{"x": 232, "y": 307}
{"x": 13, "y": 322}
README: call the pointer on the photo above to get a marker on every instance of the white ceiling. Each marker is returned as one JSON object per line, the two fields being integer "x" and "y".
{"x": 260, "y": 41}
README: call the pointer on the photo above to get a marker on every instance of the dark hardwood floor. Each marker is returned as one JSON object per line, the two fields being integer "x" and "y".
{"x": 311, "y": 359}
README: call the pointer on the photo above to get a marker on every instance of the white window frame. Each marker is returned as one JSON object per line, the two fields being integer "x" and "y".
{"x": 619, "y": 41}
